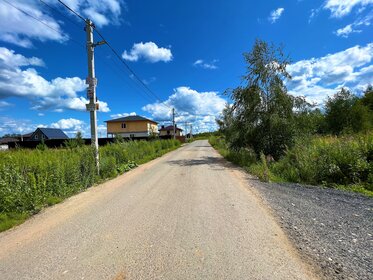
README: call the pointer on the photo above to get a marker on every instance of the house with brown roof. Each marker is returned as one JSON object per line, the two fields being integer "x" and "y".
{"x": 169, "y": 131}
{"x": 132, "y": 127}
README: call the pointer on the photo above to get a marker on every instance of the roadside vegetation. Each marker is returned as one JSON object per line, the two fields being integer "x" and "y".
{"x": 282, "y": 138}
{"x": 33, "y": 179}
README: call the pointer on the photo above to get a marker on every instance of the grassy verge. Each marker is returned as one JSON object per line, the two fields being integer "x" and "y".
{"x": 33, "y": 179}
{"x": 343, "y": 163}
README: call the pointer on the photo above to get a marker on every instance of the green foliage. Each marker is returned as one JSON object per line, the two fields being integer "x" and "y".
{"x": 8, "y": 220}
{"x": 32, "y": 179}
{"x": 118, "y": 138}
{"x": 330, "y": 161}
{"x": 42, "y": 146}
{"x": 261, "y": 117}
{"x": 78, "y": 141}
{"x": 341, "y": 162}
{"x": 345, "y": 113}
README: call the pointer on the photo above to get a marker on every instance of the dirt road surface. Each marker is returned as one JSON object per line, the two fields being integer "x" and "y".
{"x": 187, "y": 215}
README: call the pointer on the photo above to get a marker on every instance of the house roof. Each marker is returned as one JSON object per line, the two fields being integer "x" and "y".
{"x": 53, "y": 133}
{"x": 170, "y": 127}
{"x": 6, "y": 140}
{"x": 27, "y": 134}
{"x": 131, "y": 119}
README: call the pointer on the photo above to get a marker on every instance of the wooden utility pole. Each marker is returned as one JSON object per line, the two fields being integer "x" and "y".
{"x": 91, "y": 81}
{"x": 173, "y": 122}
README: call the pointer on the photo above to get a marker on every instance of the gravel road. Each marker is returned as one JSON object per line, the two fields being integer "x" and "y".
{"x": 186, "y": 215}
{"x": 333, "y": 228}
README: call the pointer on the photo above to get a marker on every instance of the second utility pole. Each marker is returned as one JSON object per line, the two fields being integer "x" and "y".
{"x": 92, "y": 106}
{"x": 173, "y": 122}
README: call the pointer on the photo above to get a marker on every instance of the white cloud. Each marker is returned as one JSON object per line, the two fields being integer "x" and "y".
{"x": 116, "y": 116}
{"x": 352, "y": 28}
{"x": 346, "y": 31}
{"x": 18, "y": 28}
{"x": 10, "y": 125}
{"x": 200, "y": 108}
{"x": 58, "y": 93}
{"x": 340, "y": 8}
{"x": 4, "y": 104}
{"x": 149, "y": 51}
{"x": 206, "y": 65}
{"x": 68, "y": 124}
{"x": 275, "y": 15}
{"x": 317, "y": 78}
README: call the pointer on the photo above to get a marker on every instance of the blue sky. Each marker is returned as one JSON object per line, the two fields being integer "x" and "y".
{"x": 187, "y": 52}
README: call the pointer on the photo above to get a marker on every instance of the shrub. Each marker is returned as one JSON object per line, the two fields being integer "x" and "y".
{"x": 329, "y": 160}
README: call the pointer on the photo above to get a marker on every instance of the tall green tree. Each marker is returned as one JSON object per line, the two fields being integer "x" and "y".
{"x": 346, "y": 113}
{"x": 262, "y": 111}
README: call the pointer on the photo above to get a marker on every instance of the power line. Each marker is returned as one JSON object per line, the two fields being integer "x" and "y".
{"x": 129, "y": 68}
{"x": 157, "y": 98}
{"x": 35, "y": 18}
{"x": 42, "y": 22}
{"x": 71, "y": 10}
{"x": 57, "y": 11}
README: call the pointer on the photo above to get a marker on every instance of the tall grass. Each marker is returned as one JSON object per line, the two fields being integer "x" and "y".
{"x": 329, "y": 161}
{"x": 343, "y": 162}
{"x": 32, "y": 179}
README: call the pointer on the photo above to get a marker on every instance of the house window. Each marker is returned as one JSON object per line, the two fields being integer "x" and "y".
{"x": 36, "y": 136}
{"x": 123, "y": 125}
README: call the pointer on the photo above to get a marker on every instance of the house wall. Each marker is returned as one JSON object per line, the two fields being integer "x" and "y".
{"x": 138, "y": 128}
{"x": 38, "y": 136}
{"x": 164, "y": 132}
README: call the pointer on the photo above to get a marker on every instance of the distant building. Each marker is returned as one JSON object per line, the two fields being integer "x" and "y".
{"x": 132, "y": 127}
{"x": 25, "y": 137}
{"x": 43, "y": 133}
{"x": 169, "y": 131}
{"x": 4, "y": 142}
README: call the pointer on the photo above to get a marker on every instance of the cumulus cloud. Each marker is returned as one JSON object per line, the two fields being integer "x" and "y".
{"x": 317, "y": 78}
{"x": 17, "y": 126}
{"x": 101, "y": 12}
{"x": 200, "y": 108}
{"x": 4, "y": 104}
{"x": 20, "y": 29}
{"x": 206, "y": 65}
{"x": 58, "y": 94}
{"x": 353, "y": 27}
{"x": 275, "y": 15}
{"x": 148, "y": 51}
{"x": 121, "y": 115}
{"x": 340, "y": 8}
{"x": 346, "y": 31}
{"x": 70, "y": 126}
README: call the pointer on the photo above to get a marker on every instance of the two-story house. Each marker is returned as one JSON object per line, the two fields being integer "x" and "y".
{"x": 132, "y": 127}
